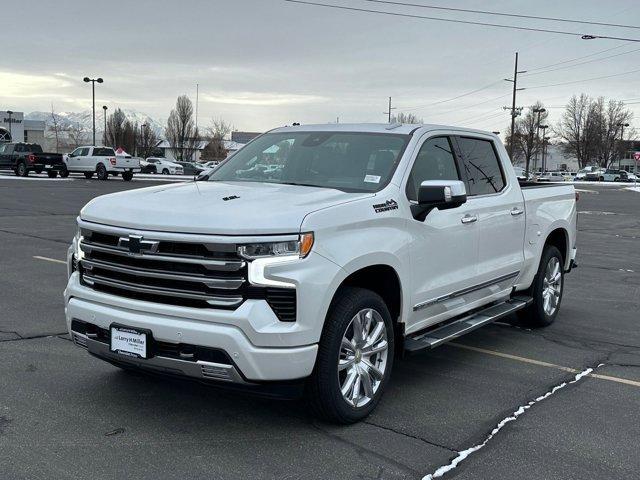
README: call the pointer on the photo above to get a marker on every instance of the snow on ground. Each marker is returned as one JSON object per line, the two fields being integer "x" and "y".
{"x": 514, "y": 416}
{"x": 633, "y": 189}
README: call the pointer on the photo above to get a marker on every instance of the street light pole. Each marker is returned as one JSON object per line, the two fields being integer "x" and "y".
{"x": 93, "y": 97}
{"x": 544, "y": 146}
{"x": 104, "y": 133}
{"x": 538, "y": 111}
{"x": 621, "y": 125}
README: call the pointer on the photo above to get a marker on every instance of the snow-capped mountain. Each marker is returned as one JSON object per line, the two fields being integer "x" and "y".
{"x": 84, "y": 119}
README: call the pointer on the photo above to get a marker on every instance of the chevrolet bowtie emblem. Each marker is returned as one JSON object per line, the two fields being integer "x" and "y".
{"x": 137, "y": 245}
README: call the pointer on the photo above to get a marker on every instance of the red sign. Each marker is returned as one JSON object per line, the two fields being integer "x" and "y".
{"x": 636, "y": 156}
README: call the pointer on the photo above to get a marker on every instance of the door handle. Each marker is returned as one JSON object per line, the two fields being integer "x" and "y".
{"x": 515, "y": 211}
{"x": 469, "y": 218}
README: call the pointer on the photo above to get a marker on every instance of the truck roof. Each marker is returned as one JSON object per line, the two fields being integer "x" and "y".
{"x": 402, "y": 128}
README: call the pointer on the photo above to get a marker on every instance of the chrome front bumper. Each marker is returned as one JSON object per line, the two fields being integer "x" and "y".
{"x": 198, "y": 370}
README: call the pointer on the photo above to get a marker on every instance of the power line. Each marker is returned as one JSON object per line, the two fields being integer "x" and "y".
{"x": 454, "y": 98}
{"x": 466, "y": 22}
{"x": 584, "y": 80}
{"x": 578, "y": 58}
{"x": 502, "y": 14}
{"x": 583, "y": 63}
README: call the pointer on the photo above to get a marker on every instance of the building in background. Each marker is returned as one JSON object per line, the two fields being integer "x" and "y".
{"x": 171, "y": 155}
{"x": 14, "y": 128}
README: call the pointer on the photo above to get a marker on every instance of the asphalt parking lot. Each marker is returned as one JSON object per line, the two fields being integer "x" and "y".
{"x": 64, "y": 414}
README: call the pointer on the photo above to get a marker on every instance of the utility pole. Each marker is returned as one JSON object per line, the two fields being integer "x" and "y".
{"x": 197, "y": 91}
{"x": 389, "y": 112}
{"x": 514, "y": 110}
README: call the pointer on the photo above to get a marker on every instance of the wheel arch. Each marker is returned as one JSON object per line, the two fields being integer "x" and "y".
{"x": 381, "y": 278}
{"x": 559, "y": 238}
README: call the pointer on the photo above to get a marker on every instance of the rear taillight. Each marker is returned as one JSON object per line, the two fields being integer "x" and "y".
{"x": 31, "y": 158}
{"x": 112, "y": 161}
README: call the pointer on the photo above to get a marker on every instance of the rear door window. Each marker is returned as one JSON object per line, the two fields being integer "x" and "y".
{"x": 481, "y": 165}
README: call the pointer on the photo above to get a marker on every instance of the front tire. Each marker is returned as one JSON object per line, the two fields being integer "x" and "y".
{"x": 355, "y": 357}
{"x": 102, "y": 173}
{"x": 52, "y": 174}
{"x": 88, "y": 175}
{"x": 165, "y": 171}
{"x": 64, "y": 173}
{"x": 546, "y": 290}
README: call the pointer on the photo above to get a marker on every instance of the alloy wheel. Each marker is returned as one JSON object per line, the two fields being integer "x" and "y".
{"x": 552, "y": 286}
{"x": 362, "y": 361}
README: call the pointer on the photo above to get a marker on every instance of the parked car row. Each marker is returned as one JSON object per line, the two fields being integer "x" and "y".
{"x": 594, "y": 174}
{"x": 103, "y": 162}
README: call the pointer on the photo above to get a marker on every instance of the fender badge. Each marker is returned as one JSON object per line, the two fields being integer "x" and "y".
{"x": 390, "y": 204}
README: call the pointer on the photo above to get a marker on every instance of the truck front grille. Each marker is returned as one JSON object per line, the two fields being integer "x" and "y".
{"x": 186, "y": 273}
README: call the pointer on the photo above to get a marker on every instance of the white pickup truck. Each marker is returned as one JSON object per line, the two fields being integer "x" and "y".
{"x": 367, "y": 241}
{"x": 102, "y": 161}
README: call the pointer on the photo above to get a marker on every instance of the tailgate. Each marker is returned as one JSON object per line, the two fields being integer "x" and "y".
{"x": 127, "y": 162}
{"x": 49, "y": 158}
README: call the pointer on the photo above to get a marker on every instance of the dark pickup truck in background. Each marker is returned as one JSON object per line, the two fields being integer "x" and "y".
{"x": 23, "y": 158}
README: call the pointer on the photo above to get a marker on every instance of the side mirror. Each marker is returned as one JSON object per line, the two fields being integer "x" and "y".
{"x": 440, "y": 194}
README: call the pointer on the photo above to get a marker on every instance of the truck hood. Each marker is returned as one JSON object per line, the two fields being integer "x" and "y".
{"x": 223, "y": 208}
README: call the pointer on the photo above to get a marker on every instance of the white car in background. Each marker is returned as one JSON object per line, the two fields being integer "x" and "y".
{"x": 160, "y": 165}
{"x": 551, "y": 177}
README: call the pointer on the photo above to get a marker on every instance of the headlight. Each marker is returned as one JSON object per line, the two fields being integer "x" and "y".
{"x": 77, "y": 251}
{"x": 294, "y": 248}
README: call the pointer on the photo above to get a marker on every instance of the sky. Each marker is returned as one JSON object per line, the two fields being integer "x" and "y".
{"x": 261, "y": 64}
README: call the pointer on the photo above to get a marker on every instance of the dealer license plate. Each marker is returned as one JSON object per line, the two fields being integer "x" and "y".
{"x": 129, "y": 341}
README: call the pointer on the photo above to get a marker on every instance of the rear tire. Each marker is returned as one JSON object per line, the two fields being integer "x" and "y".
{"x": 358, "y": 364}
{"x": 127, "y": 176}
{"x": 88, "y": 175}
{"x": 52, "y": 174}
{"x": 22, "y": 170}
{"x": 64, "y": 173}
{"x": 546, "y": 290}
{"x": 101, "y": 172}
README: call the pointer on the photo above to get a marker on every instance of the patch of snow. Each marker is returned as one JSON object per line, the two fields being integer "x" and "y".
{"x": 633, "y": 189}
{"x": 514, "y": 416}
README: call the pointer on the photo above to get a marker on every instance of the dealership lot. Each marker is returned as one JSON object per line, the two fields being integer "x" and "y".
{"x": 65, "y": 414}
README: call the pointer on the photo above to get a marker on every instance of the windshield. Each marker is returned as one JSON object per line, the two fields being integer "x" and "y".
{"x": 359, "y": 162}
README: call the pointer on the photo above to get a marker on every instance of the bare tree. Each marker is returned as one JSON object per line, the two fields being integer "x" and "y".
{"x": 216, "y": 134}
{"x": 56, "y": 128}
{"x": 527, "y": 143}
{"x": 410, "y": 118}
{"x": 181, "y": 132}
{"x": 121, "y": 131}
{"x": 590, "y": 129}
{"x": 147, "y": 140}
{"x": 77, "y": 135}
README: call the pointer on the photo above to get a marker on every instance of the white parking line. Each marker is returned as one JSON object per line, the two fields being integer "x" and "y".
{"x": 47, "y": 259}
